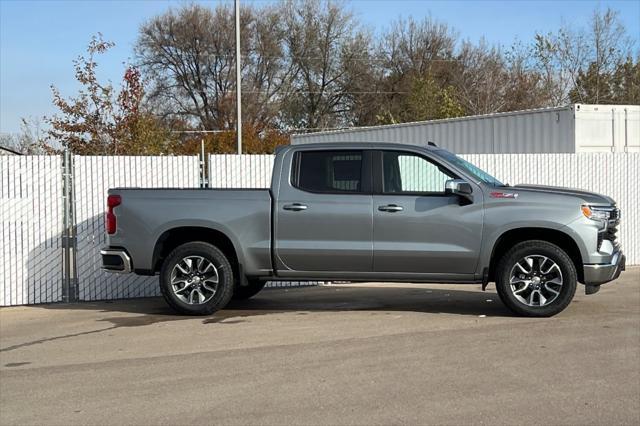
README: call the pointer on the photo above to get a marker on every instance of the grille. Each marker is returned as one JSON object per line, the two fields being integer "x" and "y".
{"x": 615, "y": 214}
{"x": 612, "y": 229}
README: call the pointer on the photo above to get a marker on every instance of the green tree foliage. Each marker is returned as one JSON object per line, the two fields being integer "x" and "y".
{"x": 620, "y": 86}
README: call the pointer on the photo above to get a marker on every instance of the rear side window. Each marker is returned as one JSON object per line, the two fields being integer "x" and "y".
{"x": 328, "y": 171}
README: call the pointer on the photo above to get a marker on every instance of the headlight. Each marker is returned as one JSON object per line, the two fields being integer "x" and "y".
{"x": 601, "y": 214}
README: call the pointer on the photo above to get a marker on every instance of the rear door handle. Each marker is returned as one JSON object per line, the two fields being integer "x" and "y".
{"x": 296, "y": 207}
{"x": 390, "y": 208}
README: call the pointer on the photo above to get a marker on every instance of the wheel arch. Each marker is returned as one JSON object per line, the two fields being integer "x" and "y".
{"x": 554, "y": 236}
{"x": 174, "y": 237}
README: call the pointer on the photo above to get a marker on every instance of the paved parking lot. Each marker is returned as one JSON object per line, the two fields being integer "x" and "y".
{"x": 357, "y": 354}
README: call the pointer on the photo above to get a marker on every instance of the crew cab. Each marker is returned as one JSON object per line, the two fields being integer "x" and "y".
{"x": 366, "y": 212}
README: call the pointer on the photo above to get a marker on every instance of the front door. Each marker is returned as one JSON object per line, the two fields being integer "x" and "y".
{"x": 418, "y": 229}
{"x": 324, "y": 216}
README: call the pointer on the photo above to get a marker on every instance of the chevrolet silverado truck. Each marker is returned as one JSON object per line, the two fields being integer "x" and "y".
{"x": 366, "y": 212}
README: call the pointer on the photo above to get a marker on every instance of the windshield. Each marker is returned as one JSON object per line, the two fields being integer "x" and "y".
{"x": 469, "y": 168}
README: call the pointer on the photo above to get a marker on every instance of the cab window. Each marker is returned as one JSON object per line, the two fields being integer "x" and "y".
{"x": 408, "y": 173}
{"x": 328, "y": 171}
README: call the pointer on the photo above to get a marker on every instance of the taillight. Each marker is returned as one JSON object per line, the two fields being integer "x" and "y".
{"x": 112, "y": 201}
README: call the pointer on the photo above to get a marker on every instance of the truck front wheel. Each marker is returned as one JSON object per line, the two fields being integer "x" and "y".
{"x": 536, "y": 279}
{"x": 196, "y": 279}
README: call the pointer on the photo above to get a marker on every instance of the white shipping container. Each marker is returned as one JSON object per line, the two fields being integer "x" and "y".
{"x": 570, "y": 129}
{"x": 607, "y": 128}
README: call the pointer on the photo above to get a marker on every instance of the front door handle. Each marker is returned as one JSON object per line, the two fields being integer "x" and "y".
{"x": 296, "y": 207}
{"x": 390, "y": 208}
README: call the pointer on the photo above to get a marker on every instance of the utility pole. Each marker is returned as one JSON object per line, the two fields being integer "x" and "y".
{"x": 238, "y": 80}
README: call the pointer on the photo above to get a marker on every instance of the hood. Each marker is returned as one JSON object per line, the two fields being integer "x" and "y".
{"x": 588, "y": 197}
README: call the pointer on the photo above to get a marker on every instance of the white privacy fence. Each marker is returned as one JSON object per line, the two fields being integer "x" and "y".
{"x": 35, "y": 223}
{"x": 31, "y": 221}
{"x": 240, "y": 171}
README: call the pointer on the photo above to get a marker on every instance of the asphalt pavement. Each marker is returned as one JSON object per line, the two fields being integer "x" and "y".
{"x": 340, "y": 354}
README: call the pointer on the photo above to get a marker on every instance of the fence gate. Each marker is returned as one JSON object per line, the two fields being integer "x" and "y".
{"x": 31, "y": 217}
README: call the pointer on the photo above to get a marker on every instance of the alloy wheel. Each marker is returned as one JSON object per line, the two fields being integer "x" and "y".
{"x": 536, "y": 280}
{"x": 194, "y": 280}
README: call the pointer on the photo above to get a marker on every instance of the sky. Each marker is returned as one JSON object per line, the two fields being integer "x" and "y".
{"x": 39, "y": 39}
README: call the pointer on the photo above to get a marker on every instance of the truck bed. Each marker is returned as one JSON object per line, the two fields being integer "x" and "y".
{"x": 144, "y": 215}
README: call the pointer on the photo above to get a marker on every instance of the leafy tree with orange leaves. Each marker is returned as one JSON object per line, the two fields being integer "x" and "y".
{"x": 97, "y": 122}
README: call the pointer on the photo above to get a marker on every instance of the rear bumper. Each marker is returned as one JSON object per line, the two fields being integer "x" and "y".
{"x": 596, "y": 274}
{"x": 115, "y": 260}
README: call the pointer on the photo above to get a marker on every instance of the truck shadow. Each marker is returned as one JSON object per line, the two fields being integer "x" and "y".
{"x": 427, "y": 299}
{"x": 303, "y": 301}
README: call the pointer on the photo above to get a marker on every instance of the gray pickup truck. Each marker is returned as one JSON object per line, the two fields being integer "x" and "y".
{"x": 366, "y": 212}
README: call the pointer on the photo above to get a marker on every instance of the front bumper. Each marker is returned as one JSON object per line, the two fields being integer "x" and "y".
{"x": 596, "y": 274}
{"x": 115, "y": 260}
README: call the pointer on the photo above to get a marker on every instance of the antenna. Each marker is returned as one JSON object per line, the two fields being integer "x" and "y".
{"x": 431, "y": 143}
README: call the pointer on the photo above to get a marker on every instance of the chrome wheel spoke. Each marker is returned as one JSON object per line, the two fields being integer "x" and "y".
{"x": 541, "y": 299}
{"x": 521, "y": 289}
{"x": 189, "y": 262}
{"x": 208, "y": 287}
{"x": 182, "y": 269}
{"x": 518, "y": 280}
{"x": 211, "y": 278}
{"x": 199, "y": 264}
{"x": 550, "y": 290}
{"x": 522, "y": 269}
{"x": 208, "y": 267}
{"x": 556, "y": 280}
{"x": 180, "y": 290}
{"x": 553, "y": 267}
{"x": 193, "y": 297}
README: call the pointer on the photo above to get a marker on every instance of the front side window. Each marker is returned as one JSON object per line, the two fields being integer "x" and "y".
{"x": 328, "y": 171}
{"x": 404, "y": 172}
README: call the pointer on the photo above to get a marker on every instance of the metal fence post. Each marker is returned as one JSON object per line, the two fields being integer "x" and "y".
{"x": 204, "y": 183}
{"x": 70, "y": 280}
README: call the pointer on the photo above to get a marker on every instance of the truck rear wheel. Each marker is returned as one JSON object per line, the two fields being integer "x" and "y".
{"x": 254, "y": 287}
{"x": 196, "y": 279}
{"x": 536, "y": 279}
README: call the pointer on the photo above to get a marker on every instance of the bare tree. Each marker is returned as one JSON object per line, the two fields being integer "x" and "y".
{"x": 565, "y": 55}
{"x": 189, "y": 56}
{"x": 525, "y": 86}
{"x": 411, "y": 47}
{"x": 327, "y": 51}
{"x": 414, "y": 55}
{"x": 30, "y": 140}
{"x": 481, "y": 78}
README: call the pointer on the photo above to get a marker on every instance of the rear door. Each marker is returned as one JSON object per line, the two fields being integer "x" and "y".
{"x": 324, "y": 214}
{"x": 418, "y": 229}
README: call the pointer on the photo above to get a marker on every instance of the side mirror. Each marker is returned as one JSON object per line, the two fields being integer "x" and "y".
{"x": 459, "y": 187}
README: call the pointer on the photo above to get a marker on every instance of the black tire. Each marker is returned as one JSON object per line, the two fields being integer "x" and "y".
{"x": 223, "y": 288}
{"x": 246, "y": 292}
{"x": 538, "y": 250}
